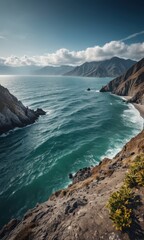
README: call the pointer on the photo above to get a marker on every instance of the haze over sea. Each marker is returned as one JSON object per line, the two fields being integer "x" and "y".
{"x": 79, "y": 129}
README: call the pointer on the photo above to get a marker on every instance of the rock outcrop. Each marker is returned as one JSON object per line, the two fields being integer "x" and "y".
{"x": 13, "y": 113}
{"x": 108, "y": 68}
{"x": 130, "y": 84}
{"x": 79, "y": 211}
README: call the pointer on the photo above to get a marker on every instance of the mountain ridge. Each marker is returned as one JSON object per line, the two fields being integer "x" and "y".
{"x": 20, "y": 70}
{"x": 34, "y": 70}
{"x": 53, "y": 70}
{"x": 108, "y": 68}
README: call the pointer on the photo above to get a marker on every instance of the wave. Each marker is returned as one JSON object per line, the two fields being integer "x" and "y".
{"x": 132, "y": 116}
{"x": 16, "y": 129}
{"x": 134, "y": 122}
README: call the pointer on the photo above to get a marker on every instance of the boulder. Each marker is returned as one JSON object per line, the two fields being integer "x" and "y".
{"x": 13, "y": 113}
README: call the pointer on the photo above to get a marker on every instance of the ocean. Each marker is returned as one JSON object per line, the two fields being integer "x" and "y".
{"x": 80, "y": 128}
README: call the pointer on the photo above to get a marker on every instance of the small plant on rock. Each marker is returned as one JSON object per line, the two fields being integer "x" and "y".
{"x": 121, "y": 203}
{"x": 119, "y": 206}
{"x": 135, "y": 177}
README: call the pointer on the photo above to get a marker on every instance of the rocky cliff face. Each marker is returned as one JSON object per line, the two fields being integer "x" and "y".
{"x": 109, "y": 68}
{"x": 79, "y": 211}
{"x": 130, "y": 84}
{"x": 13, "y": 113}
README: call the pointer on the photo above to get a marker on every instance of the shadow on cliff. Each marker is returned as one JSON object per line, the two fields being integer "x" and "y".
{"x": 136, "y": 232}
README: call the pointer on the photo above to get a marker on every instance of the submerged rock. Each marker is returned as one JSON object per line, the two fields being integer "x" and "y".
{"x": 13, "y": 113}
{"x": 70, "y": 176}
{"x": 39, "y": 112}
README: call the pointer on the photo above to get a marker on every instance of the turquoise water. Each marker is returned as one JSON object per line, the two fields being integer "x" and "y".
{"x": 80, "y": 128}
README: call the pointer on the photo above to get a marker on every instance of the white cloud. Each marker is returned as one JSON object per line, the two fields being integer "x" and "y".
{"x": 64, "y": 56}
{"x": 2, "y": 61}
{"x": 17, "y": 61}
{"x": 2, "y": 37}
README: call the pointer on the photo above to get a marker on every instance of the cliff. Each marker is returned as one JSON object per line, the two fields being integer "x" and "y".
{"x": 108, "y": 68}
{"x": 80, "y": 211}
{"x": 130, "y": 84}
{"x": 13, "y": 113}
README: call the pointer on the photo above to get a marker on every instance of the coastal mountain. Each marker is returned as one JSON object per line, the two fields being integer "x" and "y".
{"x": 50, "y": 70}
{"x": 13, "y": 113}
{"x": 109, "y": 68}
{"x": 81, "y": 211}
{"x": 21, "y": 70}
{"x": 6, "y": 70}
{"x": 130, "y": 84}
{"x": 34, "y": 70}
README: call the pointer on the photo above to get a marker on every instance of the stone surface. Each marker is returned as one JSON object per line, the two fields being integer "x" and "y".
{"x": 130, "y": 84}
{"x": 108, "y": 68}
{"x": 13, "y": 113}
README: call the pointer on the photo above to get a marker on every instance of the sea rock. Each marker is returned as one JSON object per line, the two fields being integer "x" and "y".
{"x": 70, "y": 176}
{"x": 13, "y": 113}
{"x": 82, "y": 174}
{"x": 39, "y": 112}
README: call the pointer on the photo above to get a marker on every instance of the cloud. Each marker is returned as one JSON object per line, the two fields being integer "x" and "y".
{"x": 17, "y": 61}
{"x": 64, "y": 56}
{"x": 2, "y": 61}
{"x": 2, "y": 37}
{"x": 132, "y": 36}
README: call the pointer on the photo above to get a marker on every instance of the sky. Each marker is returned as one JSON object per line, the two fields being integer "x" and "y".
{"x": 58, "y": 32}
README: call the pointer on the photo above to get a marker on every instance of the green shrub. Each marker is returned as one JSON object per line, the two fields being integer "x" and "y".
{"x": 122, "y": 218}
{"x": 121, "y": 203}
{"x": 119, "y": 206}
{"x": 140, "y": 178}
{"x": 135, "y": 177}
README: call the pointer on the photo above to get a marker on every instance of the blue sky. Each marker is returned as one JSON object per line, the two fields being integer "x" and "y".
{"x": 33, "y": 28}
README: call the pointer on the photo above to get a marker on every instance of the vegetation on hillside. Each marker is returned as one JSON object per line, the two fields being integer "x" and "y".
{"x": 121, "y": 203}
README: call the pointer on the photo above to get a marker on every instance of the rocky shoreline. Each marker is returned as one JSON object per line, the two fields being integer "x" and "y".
{"x": 131, "y": 84}
{"x": 13, "y": 113}
{"x": 79, "y": 211}
{"x": 140, "y": 108}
